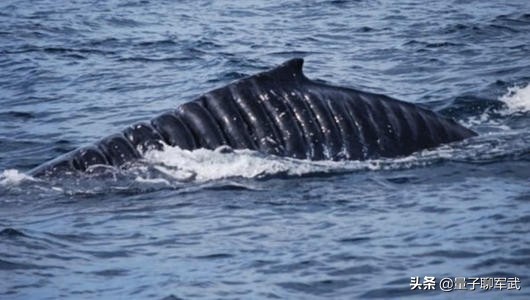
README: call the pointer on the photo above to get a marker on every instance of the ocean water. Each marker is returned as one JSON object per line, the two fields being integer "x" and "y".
{"x": 208, "y": 225}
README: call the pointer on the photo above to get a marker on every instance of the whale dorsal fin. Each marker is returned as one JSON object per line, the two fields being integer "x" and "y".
{"x": 289, "y": 70}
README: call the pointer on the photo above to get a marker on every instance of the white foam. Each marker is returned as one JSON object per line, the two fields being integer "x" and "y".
{"x": 201, "y": 165}
{"x": 206, "y": 165}
{"x": 13, "y": 177}
{"x": 517, "y": 99}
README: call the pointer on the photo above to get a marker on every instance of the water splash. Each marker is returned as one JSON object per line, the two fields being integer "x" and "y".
{"x": 207, "y": 165}
{"x": 202, "y": 165}
{"x": 517, "y": 99}
{"x": 13, "y": 177}
{"x": 516, "y": 103}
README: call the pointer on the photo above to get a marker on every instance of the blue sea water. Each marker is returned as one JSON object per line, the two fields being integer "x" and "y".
{"x": 206, "y": 225}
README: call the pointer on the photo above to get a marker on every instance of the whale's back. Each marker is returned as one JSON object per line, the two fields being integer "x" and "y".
{"x": 279, "y": 112}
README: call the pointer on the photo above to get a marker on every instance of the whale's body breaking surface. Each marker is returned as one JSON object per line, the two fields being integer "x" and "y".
{"x": 279, "y": 112}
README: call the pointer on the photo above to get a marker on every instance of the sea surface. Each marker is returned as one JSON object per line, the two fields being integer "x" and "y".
{"x": 242, "y": 225}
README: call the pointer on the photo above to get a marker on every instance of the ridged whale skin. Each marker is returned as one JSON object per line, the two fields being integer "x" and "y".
{"x": 279, "y": 112}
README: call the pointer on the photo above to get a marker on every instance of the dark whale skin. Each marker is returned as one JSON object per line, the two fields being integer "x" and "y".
{"x": 279, "y": 112}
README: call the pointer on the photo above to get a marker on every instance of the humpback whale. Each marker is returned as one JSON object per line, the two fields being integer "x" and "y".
{"x": 279, "y": 112}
